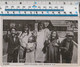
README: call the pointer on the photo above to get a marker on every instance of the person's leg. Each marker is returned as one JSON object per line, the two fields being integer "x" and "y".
{"x": 32, "y": 57}
{"x": 9, "y": 58}
{"x": 68, "y": 60}
{"x": 21, "y": 55}
{"x": 15, "y": 56}
{"x": 63, "y": 59}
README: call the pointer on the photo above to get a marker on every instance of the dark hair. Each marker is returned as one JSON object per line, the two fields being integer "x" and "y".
{"x": 69, "y": 35}
{"x": 40, "y": 24}
{"x": 55, "y": 37}
{"x": 50, "y": 26}
{"x": 25, "y": 26}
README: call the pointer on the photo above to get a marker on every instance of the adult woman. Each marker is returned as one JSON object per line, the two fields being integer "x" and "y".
{"x": 27, "y": 45}
{"x": 52, "y": 45}
{"x": 40, "y": 56}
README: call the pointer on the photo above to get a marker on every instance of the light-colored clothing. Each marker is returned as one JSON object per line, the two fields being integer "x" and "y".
{"x": 29, "y": 58}
{"x": 23, "y": 37}
{"x": 40, "y": 56}
{"x": 47, "y": 33}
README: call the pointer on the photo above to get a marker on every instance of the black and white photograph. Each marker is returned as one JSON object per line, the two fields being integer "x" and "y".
{"x": 40, "y": 41}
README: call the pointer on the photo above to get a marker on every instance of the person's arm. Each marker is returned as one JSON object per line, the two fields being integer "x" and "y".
{"x": 46, "y": 43}
{"x": 58, "y": 43}
{"x": 6, "y": 37}
{"x": 33, "y": 47}
{"x": 75, "y": 43}
{"x": 22, "y": 44}
{"x": 62, "y": 47}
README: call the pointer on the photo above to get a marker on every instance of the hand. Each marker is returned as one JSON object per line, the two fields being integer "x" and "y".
{"x": 56, "y": 45}
{"x": 28, "y": 50}
{"x": 16, "y": 48}
{"x": 64, "y": 48}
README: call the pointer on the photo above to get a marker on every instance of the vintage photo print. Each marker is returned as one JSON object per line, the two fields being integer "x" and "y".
{"x": 40, "y": 41}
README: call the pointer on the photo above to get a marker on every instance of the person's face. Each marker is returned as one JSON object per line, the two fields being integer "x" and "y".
{"x": 35, "y": 33}
{"x": 46, "y": 24}
{"x": 26, "y": 29}
{"x": 53, "y": 34}
{"x": 41, "y": 26}
{"x": 69, "y": 37}
{"x": 13, "y": 31}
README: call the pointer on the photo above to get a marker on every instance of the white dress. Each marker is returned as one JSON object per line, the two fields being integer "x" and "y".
{"x": 47, "y": 33}
{"x": 40, "y": 56}
{"x": 24, "y": 42}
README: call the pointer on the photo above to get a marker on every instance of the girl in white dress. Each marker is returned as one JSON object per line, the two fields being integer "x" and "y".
{"x": 27, "y": 46}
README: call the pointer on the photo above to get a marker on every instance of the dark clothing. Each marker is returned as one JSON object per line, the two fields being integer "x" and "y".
{"x": 52, "y": 52}
{"x": 66, "y": 51}
{"x": 13, "y": 57}
{"x": 13, "y": 47}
